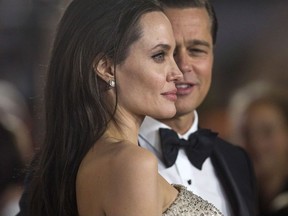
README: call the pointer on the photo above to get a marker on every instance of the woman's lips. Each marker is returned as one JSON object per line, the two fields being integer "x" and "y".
{"x": 170, "y": 95}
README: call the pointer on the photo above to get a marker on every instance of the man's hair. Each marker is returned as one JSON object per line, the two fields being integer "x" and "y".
{"x": 195, "y": 4}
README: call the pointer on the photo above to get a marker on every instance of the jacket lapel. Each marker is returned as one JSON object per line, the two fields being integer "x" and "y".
{"x": 237, "y": 203}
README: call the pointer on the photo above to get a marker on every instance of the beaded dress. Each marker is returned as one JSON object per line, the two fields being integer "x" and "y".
{"x": 189, "y": 204}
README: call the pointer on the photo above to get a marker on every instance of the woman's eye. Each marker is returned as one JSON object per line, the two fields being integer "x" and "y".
{"x": 159, "y": 57}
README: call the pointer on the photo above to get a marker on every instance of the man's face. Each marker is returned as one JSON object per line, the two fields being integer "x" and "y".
{"x": 193, "y": 55}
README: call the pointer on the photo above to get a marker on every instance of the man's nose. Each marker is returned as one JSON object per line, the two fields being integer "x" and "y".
{"x": 184, "y": 63}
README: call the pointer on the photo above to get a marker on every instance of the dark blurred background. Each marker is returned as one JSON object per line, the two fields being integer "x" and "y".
{"x": 252, "y": 45}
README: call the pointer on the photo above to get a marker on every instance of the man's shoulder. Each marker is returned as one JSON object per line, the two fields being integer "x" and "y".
{"x": 229, "y": 151}
{"x": 227, "y": 146}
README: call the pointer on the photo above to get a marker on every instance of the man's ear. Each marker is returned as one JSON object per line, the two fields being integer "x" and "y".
{"x": 104, "y": 69}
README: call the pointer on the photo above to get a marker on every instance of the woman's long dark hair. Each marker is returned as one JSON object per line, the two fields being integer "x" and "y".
{"x": 76, "y": 111}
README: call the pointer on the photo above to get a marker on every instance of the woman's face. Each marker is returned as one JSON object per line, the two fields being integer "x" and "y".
{"x": 145, "y": 80}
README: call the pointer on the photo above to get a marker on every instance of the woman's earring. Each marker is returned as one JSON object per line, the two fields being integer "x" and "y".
{"x": 111, "y": 83}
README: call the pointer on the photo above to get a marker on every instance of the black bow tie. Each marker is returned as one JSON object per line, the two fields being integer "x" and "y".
{"x": 198, "y": 147}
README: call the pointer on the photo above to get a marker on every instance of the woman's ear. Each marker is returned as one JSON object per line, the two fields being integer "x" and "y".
{"x": 104, "y": 68}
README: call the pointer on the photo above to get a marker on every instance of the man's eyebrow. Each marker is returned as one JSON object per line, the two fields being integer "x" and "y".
{"x": 199, "y": 42}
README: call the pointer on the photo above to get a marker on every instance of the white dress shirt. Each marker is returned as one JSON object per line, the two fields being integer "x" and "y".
{"x": 201, "y": 182}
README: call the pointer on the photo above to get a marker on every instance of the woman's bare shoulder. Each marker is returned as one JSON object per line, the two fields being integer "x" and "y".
{"x": 134, "y": 183}
{"x": 132, "y": 156}
{"x": 121, "y": 176}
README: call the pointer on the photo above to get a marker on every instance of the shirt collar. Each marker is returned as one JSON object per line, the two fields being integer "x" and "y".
{"x": 193, "y": 127}
{"x": 150, "y": 127}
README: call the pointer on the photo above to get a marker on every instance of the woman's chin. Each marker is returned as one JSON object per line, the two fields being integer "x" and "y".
{"x": 165, "y": 114}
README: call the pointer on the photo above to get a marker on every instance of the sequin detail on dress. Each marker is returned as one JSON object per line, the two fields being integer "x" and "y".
{"x": 189, "y": 204}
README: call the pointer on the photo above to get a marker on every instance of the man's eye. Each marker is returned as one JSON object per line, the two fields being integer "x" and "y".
{"x": 196, "y": 50}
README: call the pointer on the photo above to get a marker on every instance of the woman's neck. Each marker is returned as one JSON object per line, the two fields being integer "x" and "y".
{"x": 124, "y": 127}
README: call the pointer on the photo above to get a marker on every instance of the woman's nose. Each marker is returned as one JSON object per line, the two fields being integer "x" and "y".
{"x": 175, "y": 74}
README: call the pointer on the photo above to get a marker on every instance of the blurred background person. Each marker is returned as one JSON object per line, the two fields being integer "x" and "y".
{"x": 259, "y": 123}
{"x": 16, "y": 149}
{"x": 26, "y": 29}
{"x": 10, "y": 177}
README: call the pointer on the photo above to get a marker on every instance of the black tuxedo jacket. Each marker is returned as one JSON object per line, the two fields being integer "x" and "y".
{"x": 236, "y": 174}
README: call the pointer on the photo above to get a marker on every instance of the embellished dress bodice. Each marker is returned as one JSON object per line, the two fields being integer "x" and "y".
{"x": 189, "y": 204}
